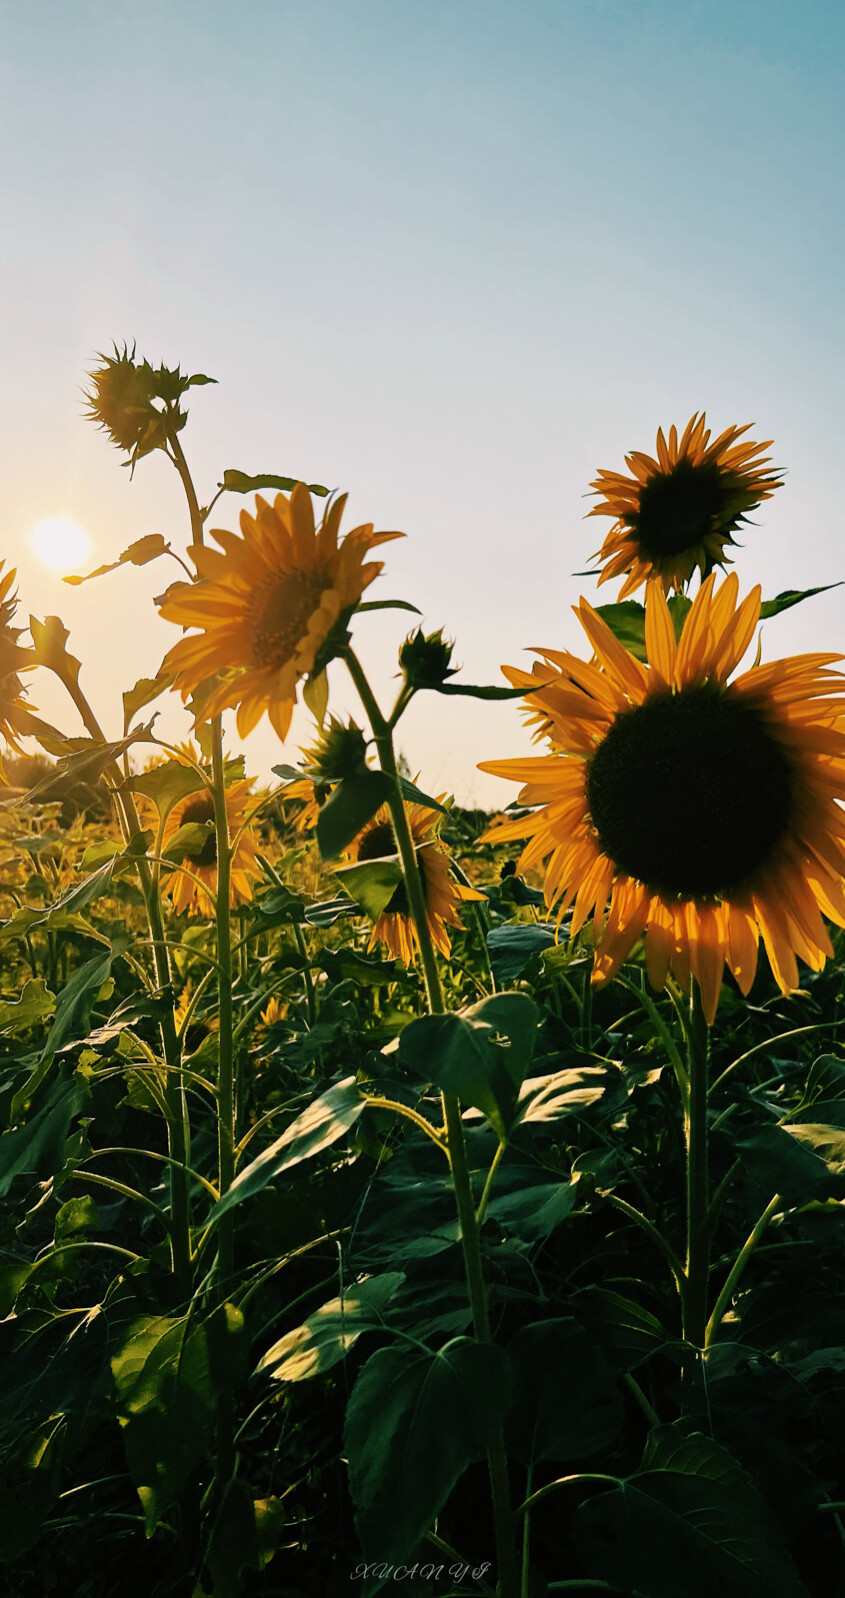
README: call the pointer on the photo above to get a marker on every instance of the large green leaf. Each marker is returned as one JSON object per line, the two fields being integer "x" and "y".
{"x": 37, "y": 1149}
{"x": 533, "y": 1211}
{"x": 566, "y": 1404}
{"x": 352, "y": 803}
{"x": 167, "y": 783}
{"x": 372, "y": 883}
{"x": 415, "y": 1420}
{"x": 169, "y": 1373}
{"x": 244, "y": 1538}
{"x": 512, "y": 947}
{"x": 323, "y": 1340}
{"x": 29, "y": 1482}
{"x": 626, "y": 1333}
{"x": 790, "y": 1161}
{"x": 466, "y": 1053}
{"x": 35, "y": 1004}
{"x": 327, "y": 1119}
{"x": 73, "y": 1011}
{"x": 688, "y": 1524}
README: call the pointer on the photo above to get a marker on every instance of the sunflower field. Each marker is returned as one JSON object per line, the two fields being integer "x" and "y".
{"x": 397, "y": 1198}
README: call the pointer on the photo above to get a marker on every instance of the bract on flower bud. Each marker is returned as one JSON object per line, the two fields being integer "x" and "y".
{"x": 425, "y": 657}
{"x": 340, "y": 751}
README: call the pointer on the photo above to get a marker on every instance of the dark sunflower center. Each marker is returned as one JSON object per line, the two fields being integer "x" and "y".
{"x": 679, "y": 508}
{"x": 690, "y": 793}
{"x": 374, "y": 845}
{"x": 279, "y": 615}
{"x": 201, "y": 809}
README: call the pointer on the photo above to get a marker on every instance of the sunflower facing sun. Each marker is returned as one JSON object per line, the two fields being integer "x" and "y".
{"x": 704, "y": 809}
{"x": 265, "y": 605}
{"x": 395, "y": 927}
{"x": 680, "y": 511}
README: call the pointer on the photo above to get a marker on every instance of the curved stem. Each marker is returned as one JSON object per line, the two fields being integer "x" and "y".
{"x": 564, "y": 1481}
{"x": 181, "y": 465}
{"x": 410, "y": 1115}
{"x": 738, "y": 1267}
{"x": 657, "y": 1238}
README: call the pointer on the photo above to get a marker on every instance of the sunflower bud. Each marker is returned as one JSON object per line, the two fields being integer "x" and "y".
{"x": 425, "y": 658}
{"x": 138, "y": 404}
{"x": 340, "y": 751}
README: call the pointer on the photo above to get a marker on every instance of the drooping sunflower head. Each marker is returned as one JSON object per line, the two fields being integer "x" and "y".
{"x": 14, "y": 712}
{"x": 270, "y": 607}
{"x": 679, "y": 512}
{"x": 395, "y": 926}
{"x": 703, "y": 806}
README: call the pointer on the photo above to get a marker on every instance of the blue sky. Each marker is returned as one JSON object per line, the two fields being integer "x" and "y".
{"x": 450, "y": 255}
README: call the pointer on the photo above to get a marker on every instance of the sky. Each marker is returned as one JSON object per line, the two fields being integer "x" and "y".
{"x": 451, "y": 256}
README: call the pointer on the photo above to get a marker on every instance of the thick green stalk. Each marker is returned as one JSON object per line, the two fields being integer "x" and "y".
{"x": 698, "y": 1230}
{"x": 509, "y": 1578}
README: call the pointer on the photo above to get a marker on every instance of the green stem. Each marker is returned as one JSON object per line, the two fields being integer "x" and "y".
{"x": 738, "y": 1267}
{"x": 190, "y": 492}
{"x": 509, "y": 1583}
{"x": 226, "y": 1081}
{"x": 226, "y": 1086}
{"x": 178, "y": 1130}
{"x": 695, "y": 1126}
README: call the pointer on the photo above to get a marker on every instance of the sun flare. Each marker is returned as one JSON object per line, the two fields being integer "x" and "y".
{"x": 60, "y": 543}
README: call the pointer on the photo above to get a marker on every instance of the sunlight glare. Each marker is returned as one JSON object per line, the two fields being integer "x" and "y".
{"x": 60, "y": 543}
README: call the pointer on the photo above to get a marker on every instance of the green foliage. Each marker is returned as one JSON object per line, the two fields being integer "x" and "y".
{"x": 416, "y": 1420}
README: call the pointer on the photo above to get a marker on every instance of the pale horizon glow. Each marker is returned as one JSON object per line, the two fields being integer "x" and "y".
{"x": 61, "y": 543}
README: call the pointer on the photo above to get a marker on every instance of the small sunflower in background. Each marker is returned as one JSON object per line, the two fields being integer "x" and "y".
{"x": 680, "y": 511}
{"x": 265, "y": 605}
{"x": 275, "y": 1011}
{"x": 395, "y": 926}
{"x": 14, "y": 713}
{"x": 703, "y": 808}
{"x": 187, "y": 892}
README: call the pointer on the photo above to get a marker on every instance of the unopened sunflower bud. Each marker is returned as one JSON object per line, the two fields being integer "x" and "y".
{"x": 138, "y": 404}
{"x": 425, "y": 658}
{"x": 340, "y": 751}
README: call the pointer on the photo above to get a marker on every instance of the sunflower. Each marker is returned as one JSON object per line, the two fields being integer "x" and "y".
{"x": 395, "y": 926}
{"x": 680, "y": 511}
{"x": 265, "y": 605}
{"x": 14, "y": 714}
{"x": 185, "y": 891}
{"x": 702, "y": 805}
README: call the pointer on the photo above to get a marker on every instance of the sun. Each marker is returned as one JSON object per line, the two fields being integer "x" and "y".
{"x": 60, "y": 543}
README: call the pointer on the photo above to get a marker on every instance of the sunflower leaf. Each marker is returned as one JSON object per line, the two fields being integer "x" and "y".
{"x": 235, "y": 482}
{"x": 351, "y": 805}
{"x": 326, "y": 1119}
{"x": 476, "y": 690}
{"x": 464, "y": 1054}
{"x": 417, "y": 797}
{"x": 50, "y": 637}
{"x": 790, "y": 597}
{"x": 189, "y": 841}
{"x": 388, "y": 604}
{"x": 138, "y": 554}
{"x": 372, "y": 883}
{"x": 168, "y": 783}
{"x": 144, "y": 692}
